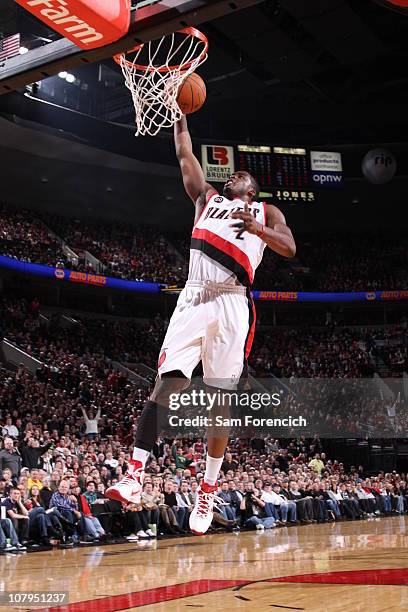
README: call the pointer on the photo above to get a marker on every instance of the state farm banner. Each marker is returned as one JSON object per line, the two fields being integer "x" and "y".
{"x": 327, "y": 169}
{"x": 217, "y": 162}
{"x": 87, "y": 23}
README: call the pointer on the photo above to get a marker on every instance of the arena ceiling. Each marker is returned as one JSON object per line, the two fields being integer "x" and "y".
{"x": 315, "y": 71}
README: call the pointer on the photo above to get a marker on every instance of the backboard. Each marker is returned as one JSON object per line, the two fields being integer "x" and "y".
{"x": 150, "y": 19}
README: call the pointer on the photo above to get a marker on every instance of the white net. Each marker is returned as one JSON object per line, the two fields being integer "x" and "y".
{"x": 154, "y": 75}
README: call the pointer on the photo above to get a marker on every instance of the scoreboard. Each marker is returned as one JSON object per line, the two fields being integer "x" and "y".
{"x": 284, "y": 172}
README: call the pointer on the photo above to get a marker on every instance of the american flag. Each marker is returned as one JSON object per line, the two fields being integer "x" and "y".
{"x": 9, "y": 46}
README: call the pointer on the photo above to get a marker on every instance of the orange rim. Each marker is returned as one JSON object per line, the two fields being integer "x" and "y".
{"x": 190, "y": 31}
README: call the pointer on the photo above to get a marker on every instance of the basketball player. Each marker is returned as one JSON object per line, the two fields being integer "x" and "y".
{"x": 214, "y": 319}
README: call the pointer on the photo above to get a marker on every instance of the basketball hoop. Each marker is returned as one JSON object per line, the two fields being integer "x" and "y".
{"x": 155, "y": 73}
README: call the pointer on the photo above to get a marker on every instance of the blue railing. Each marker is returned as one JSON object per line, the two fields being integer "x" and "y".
{"x": 83, "y": 278}
{"x": 97, "y": 280}
{"x": 351, "y": 296}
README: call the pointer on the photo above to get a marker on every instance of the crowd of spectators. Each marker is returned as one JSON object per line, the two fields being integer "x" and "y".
{"x": 67, "y": 433}
{"x": 307, "y": 353}
{"x": 329, "y": 262}
{"x": 303, "y": 352}
{"x": 130, "y": 253}
{"x": 24, "y": 237}
{"x": 140, "y": 254}
{"x": 91, "y": 340}
{"x": 76, "y": 361}
{"x": 53, "y": 482}
{"x": 355, "y": 262}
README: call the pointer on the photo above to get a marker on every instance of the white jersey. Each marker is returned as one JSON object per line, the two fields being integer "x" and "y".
{"x": 218, "y": 253}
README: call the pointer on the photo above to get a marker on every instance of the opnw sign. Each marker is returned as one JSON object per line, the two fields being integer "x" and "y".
{"x": 327, "y": 170}
{"x": 87, "y": 23}
{"x": 217, "y": 162}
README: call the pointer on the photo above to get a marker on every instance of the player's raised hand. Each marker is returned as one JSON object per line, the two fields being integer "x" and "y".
{"x": 247, "y": 222}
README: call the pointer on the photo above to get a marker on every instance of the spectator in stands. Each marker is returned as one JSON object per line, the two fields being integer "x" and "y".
{"x": 229, "y": 463}
{"x": 235, "y": 497}
{"x": 8, "y": 480}
{"x": 180, "y": 460}
{"x": 91, "y": 494}
{"x": 9, "y": 429}
{"x": 170, "y": 500}
{"x": 34, "y": 479}
{"x": 304, "y": 505}
{"x": 18, "y": 514}
{"x": 315, "y": 493}
{"x": 92, "y": 527}
{"x": 253, "y": 510}
{"x": 151, "y": 498}
{"x": 34, "y": 497}
{"x": 31, "y": 451}
{"x": 136, "y": 522}
{"x": 277, "y": 505}
{"x": 317, "y": 464}
{"x": 10, "y": 457}
{"x": 370, "y": 487}
{"x": 185, "y": 495}
{"x": 396, "y": 497}
{"x": 184, "y": 507}
{"x": 91, "y": 423}
{"x": 224, "y": 506}
{"x": 331, "y": 502}
{"x": 39, "y": 523}
{"x": 62, "y": 501}
{"x": 367, "y": 501}
{"x": 7, "y": 531}
{"x": 3, "y": 493}
{"x": 349, "y": 500}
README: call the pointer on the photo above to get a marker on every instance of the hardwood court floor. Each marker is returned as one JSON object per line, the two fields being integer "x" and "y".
{"x": 354, "y": 566}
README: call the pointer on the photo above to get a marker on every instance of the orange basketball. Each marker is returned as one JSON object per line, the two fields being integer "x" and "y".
{"x": 191, "y": 95}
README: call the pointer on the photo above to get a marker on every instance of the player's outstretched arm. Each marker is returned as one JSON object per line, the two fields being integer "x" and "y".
{"x": 193, "y": 177}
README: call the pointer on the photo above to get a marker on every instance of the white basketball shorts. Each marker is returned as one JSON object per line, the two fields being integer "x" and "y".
{"x": 214, "y": 323}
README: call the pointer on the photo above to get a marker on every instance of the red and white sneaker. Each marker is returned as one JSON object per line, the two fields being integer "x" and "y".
{"x": 202, "y": 513}
{"x": 130, "y": 487}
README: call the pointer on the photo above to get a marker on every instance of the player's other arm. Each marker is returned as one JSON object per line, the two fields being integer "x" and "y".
{"x": 193, "y": 177}
{"x": 277, "y": 234}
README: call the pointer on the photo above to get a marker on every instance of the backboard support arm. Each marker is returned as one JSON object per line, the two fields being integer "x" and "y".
{"x": 148, "y": 22}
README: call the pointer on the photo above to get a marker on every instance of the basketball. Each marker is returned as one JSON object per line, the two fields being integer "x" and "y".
{"x": 192, "y": 94}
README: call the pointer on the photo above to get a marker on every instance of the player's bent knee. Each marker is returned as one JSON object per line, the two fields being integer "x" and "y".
{"x": 169, "y": 382}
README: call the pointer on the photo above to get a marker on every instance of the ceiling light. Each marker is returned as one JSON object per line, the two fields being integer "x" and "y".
{"x": 23, "y": 50}
{"x": 63, "y": 74}
{"x": 70, "y": 78}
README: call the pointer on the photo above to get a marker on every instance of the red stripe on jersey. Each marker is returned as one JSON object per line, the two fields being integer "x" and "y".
{"x": 251, "y": 332}
{"x": 210, "y": 194}
{"x": 265, "y": 214}
{"x": 226, "y": 247}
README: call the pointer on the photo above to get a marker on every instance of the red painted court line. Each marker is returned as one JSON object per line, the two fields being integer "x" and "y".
{"x": 397, "y": 576}
{"x": 150, "y": 596}
{"x": 374, "y": 576}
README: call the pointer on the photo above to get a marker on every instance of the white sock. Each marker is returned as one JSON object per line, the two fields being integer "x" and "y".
{"x": 139, "y": 454}
{"x": 212, "y": 468}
